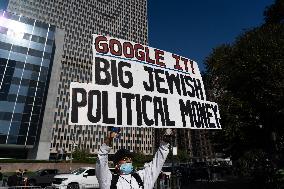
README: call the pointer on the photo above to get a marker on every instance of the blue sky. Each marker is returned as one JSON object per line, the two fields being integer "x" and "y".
{"x": 191, "y": 28}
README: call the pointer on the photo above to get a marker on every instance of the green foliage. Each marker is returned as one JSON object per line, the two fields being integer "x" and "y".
{"x": 182, "y": 156}
{"x": 23, "y": 161}
{"x": 83, "y": 155}
{"x": 279, "y": 179}
{"x": 275, "y": 12}
{"x": 246, "y": 79}
{"x": 254, "y": 162}
{"x": 139, "y": 159}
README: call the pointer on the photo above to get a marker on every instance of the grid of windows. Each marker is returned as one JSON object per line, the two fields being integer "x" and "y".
{"x": 25, "y": 57}
{"x": 126, "y": 19}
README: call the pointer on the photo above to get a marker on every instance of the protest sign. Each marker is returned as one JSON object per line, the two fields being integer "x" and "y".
{"x": 134, "y": 85}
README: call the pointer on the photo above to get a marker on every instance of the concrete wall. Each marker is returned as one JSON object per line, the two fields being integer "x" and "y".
{"x": 63, "y": 167}
{"x": 42, "y": 150}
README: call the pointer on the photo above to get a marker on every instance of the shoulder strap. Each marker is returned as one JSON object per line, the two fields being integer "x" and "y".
{"x": 138, "y": 179}
{"x": 114, "y": 180}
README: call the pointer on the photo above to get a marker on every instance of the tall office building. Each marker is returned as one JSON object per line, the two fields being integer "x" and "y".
{"x": 80, "y": 19}
{"x": 27, "y": 51}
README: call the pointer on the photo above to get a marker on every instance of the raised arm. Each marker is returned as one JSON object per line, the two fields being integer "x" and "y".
{"x": 152, "y": 170}
{"x": 102, "y": 170}
{"x": 155, "y": 166}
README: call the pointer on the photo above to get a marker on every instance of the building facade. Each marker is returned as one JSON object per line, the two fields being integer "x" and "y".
{"x": 201, "y": 147}
{"x": 26, "y": 58}
{"x": 80, "y": 19}
{"x": 194, "y": 142}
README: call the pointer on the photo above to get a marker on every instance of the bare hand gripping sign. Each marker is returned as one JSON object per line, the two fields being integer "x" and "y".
{"x": 135, "y": 85}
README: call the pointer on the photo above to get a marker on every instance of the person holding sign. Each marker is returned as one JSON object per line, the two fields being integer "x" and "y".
{"x": 125, "y": 176}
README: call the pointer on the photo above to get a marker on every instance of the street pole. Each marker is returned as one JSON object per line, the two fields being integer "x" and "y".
{"x": 173, "y": 179}
{"x": 72, "y": 148}
{"x": 71, "y": 158}
{"x": 172, "y": 153}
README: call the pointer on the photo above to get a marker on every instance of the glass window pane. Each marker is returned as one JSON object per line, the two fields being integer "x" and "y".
{"x": 15, "y": 126}
{"x": 11, "y": 63}
{"x": 27, "y": 36}
{"x": 49, "y": 42}
{"x": 36, "y": 53}
{"x": 19, "y": 49}
{"x": 5, "y": 88}
{"x": 38, "y": 101}
{"x": 34, "y": 76}
{"x": 4, "y": 53}
{"x": 7, "y": 79}
{"x": 6, "y": 116}
{"x": 36, "y": 68}
{"x": 17, "y": 117}
{"x": 32, "y": 129}
{"x": 21, "y": 99}
{"x": 19, "y": 108}
{"x": 29, "y": 100}
{"x": 5, "y": 46}
{"x": 12, "y": 139}
{"x": 31, "y": 92}
{"x": 11, "y": 97}
{"x": 23, "y": 91}
{"x": 3, "y": 61}
{"x": 9, "y": 70}
{"x": 10, "y": 107}
{"x": 28, "y": 109}
{"x": 24, "y": 129}
{"x": 18, "y": 73}
{"x": 27, "y": 74}
{"x": 26, "y": 118}
{"x": 28, "y": 66}
{"x": 3, "y": 96}
{"x": 36, "y": 109}
{"x": 4, "y": 127}
{"x": 2, "y": 69}
{"x": 26, "y": 20}
{"x": 3, "y": 30}
{"x": 35, "y": 118}
{"x": 3, "y": 139}
{"x": 30, "y": 140}
{"x": 21, "y": 140}
{"x": 20, "y": 65}
{"x": 42, "y": 77}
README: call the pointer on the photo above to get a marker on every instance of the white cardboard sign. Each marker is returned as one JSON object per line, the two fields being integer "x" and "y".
{"x": 134, "y": 85}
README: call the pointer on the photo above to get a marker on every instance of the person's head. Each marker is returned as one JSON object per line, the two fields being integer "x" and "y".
{"x": 25, "y": 171}
{"x": 123, "y": 161}
{"x": 18, "y": 172}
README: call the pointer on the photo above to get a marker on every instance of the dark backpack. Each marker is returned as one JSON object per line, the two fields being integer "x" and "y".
{"x": 13, "y": 180}
{"x": 115, "y": 178}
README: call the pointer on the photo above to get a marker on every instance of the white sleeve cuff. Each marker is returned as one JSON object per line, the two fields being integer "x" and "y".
{"x": 164, "y": 145}
{"x": 104, "y": 149}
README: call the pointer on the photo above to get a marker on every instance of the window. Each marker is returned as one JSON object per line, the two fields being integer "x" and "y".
{"x": 5, "y": 46}
{"x": 3, "y": 30}
{"x": 20, "y": 49}
{"x": 91, "y": 172}
{"x": 52, "y": 171}
{"x": 27, "y": 36}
